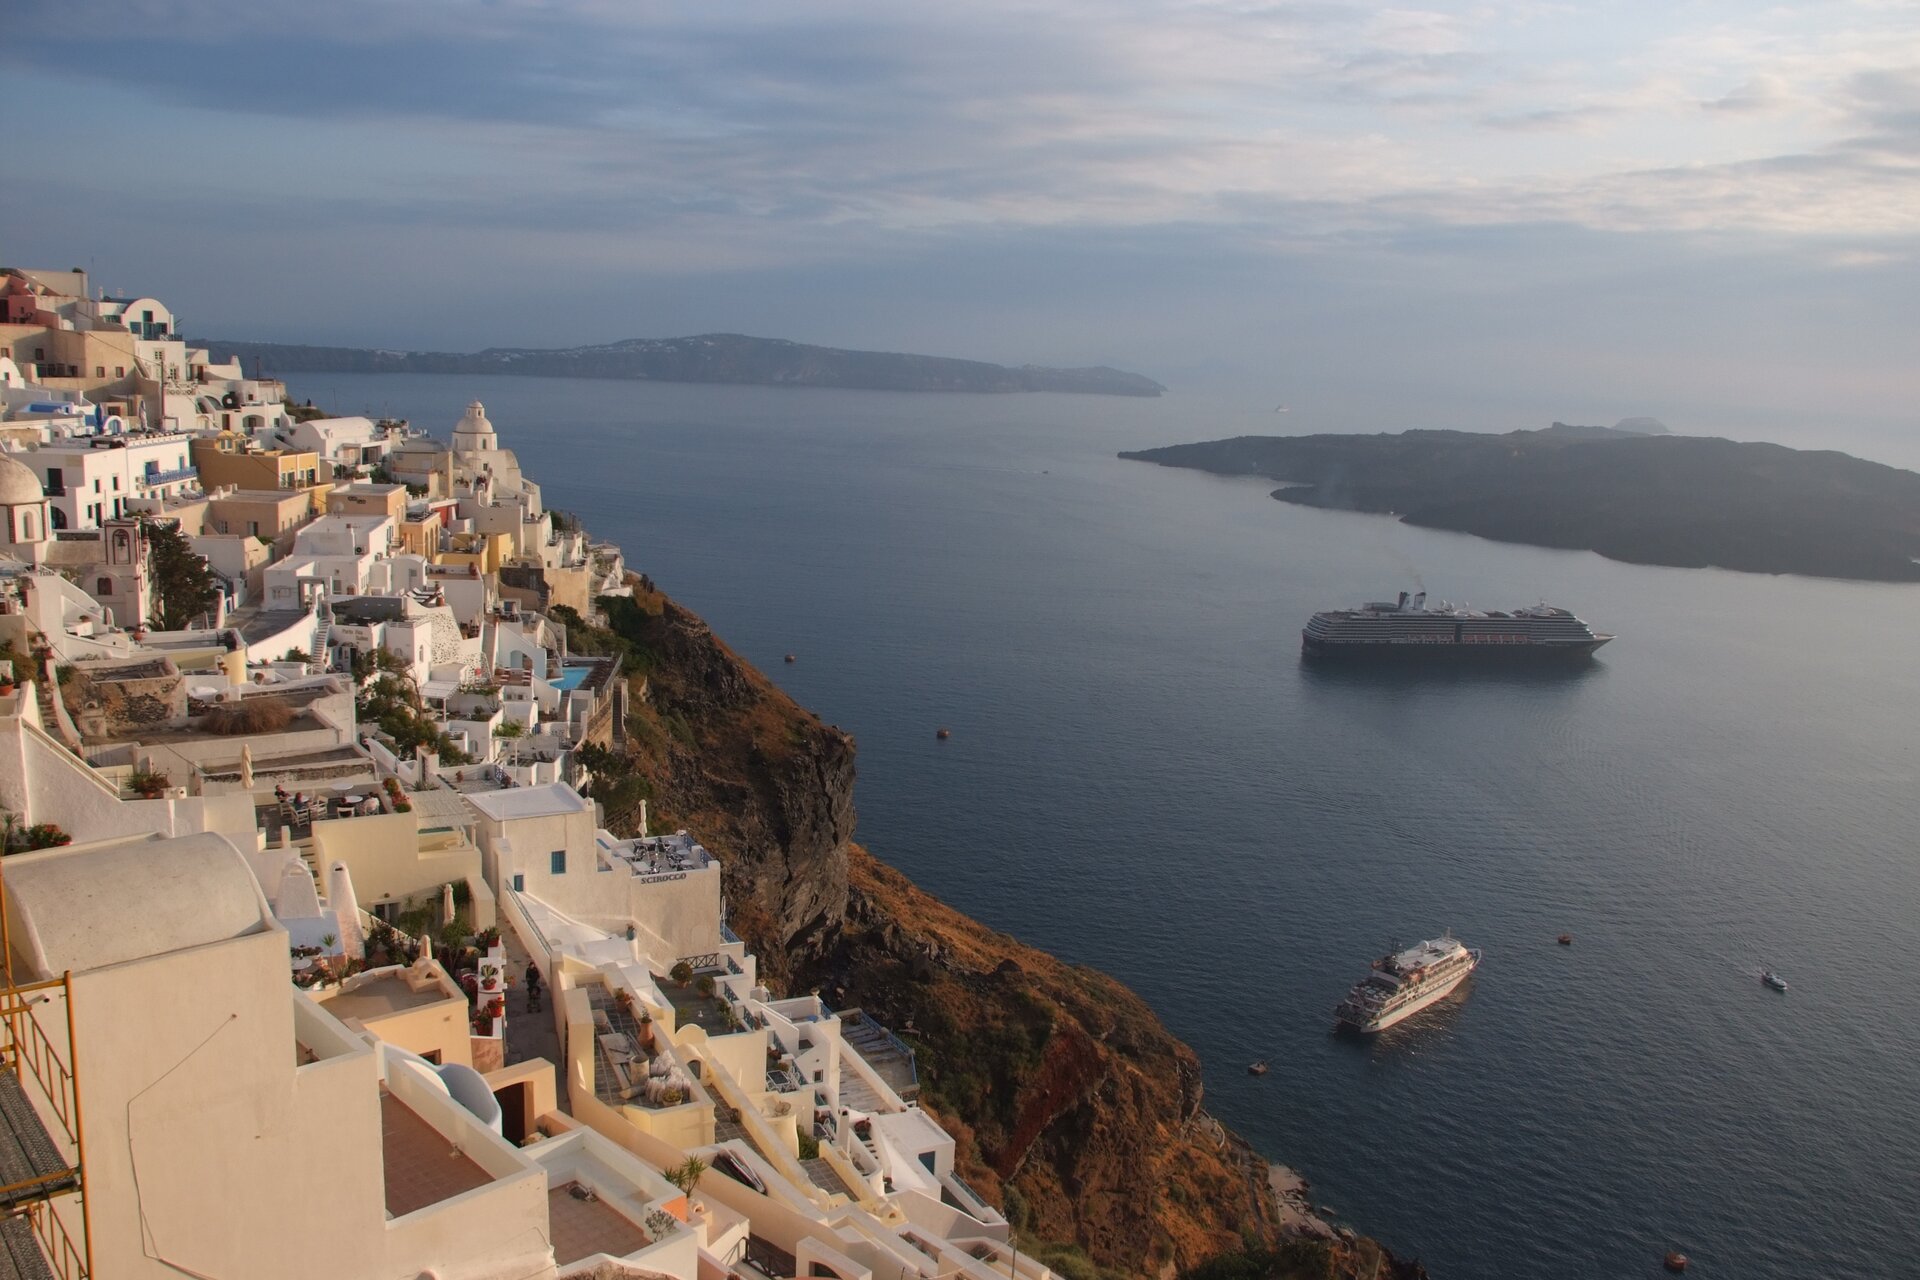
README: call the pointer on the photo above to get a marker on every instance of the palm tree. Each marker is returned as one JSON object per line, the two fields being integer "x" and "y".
{"x": 687, "y": 1175}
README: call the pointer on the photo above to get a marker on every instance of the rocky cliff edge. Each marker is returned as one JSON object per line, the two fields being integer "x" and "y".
{"x": 1072, "y": 1106}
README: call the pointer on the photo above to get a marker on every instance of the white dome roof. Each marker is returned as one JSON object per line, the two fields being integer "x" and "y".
{"x": 18, "y": 484}
{"x": 473, "y": 433}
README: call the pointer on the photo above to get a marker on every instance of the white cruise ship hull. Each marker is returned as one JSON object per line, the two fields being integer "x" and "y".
{"x": 1430, "y": 993}
{"x": 1440, "y": 991}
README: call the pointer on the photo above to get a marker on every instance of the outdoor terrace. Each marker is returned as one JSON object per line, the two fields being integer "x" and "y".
{"x": 889, "y": 1056}
{"x": 658, "y": 855}
{"x": 357, "y": 798}
{"x": 422, "y": 1167}
{"x": 624, "y": 1073}
{"x": 583, "y": 1225}
{"x": 711, "y": 1012}
{"x": 369, "y": 997}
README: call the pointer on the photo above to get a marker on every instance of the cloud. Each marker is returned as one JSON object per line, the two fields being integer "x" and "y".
{"x": 1549, "y": 119}
{"x": 1761, "y": 93}
{"x": 765, "y": 129}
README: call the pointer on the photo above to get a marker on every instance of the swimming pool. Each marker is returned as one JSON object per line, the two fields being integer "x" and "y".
{"x": 571, "y": 677}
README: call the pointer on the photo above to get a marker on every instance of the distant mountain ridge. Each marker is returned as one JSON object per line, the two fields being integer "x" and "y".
{"x": 713, "y": 357}
{"x": 1690, "y": 502}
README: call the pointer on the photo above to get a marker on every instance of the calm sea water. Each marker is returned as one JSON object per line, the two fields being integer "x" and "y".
{"x": 1144, "y": 777}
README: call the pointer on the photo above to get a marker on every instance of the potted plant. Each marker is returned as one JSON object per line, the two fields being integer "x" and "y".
{"x": 681, "y": 973}
{"x": 46, "y": 835}
{"x": 149, "y": 784}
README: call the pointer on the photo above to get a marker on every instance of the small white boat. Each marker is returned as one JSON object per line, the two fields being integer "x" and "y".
{"x": 1773, "y": 980}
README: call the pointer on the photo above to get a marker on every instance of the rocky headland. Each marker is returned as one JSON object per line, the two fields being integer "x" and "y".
{"x": 712, "y": 357}
{"x": 1071, "y": 1104}
{"x": 1685, "y": 501}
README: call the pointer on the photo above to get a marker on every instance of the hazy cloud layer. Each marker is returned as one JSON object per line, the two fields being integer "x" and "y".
{"x": 648, "y": 143}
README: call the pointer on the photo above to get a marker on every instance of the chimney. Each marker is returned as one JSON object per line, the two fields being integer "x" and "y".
{"x": 1420, "y": 601}
{"x": 1403, "y": 600}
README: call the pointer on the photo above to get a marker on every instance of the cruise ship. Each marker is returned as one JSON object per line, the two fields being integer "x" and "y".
{"x": 1408, "y": 628}
{"x": 1405, "y": 982}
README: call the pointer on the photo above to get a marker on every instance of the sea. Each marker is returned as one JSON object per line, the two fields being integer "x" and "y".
{"x": 1143, "y": 776}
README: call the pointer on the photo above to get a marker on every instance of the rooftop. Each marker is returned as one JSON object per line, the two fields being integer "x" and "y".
{"x": 544, "y": 801}
{"x": 422, "y": 1167}
{"x": 384, "y": 994}
{"x": 582, "y": 1225}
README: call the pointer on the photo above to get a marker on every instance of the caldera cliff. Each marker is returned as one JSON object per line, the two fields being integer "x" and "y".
{"x": 1071, "y": 1105}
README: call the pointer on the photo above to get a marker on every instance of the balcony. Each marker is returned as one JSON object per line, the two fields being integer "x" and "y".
{"x": 170, "y": 477}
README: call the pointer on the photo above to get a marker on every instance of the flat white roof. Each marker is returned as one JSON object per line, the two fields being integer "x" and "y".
{"x": 528, "y": 802}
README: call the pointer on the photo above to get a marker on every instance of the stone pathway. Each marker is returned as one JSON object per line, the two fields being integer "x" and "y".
{"x": 531, "y": 1034}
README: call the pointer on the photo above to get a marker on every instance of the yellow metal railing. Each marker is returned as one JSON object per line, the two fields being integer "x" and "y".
{"x": 27, "y": 1050}
{"x": 28, "y": 1046}
{"x": 68, "y": 1262}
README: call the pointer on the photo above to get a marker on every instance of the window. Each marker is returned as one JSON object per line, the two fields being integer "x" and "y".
{"x": 119, "y": 371}
{"x": 96, "y": 484}
{"x": 104, "y": 587}
{"x": 559, "y": 862}
{"x": 253, "y": 527}
{"x": 519, "y": 882}
{"x": 28, "y": 531}
{"x": 99, "y": 371}
{"x": 116, "y": 484}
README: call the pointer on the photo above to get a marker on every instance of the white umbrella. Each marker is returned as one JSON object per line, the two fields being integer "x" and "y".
{"x": 246, "y": 766}
{"x": 446, "y": 902}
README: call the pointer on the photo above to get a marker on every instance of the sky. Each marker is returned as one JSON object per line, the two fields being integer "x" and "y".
{"x": 1484, "y": 214}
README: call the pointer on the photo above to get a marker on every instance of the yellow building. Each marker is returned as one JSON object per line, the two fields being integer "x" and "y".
{"x": 262, "y": 513}
{"x": 488, "y": 551}
{"x": 366, "y": 499}
{"x": 229, "y": 460}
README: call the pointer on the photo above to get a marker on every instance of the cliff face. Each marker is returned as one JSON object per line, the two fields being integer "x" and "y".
{"x": 1072, "y": 1105}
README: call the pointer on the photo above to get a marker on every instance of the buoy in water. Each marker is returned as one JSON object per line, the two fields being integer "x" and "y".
{"x": 1566, "y": 939}
{"x": 943, "y": 734}
{"x": 1676, "y": 1260}
{"x": 791, "y": 658}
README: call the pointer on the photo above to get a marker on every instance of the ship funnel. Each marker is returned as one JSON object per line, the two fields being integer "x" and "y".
{"x": 1403, "y": 601}
{"x": 1420, "y": 601}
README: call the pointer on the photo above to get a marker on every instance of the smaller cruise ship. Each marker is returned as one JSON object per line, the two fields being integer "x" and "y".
{"x": 1405, "y": 982}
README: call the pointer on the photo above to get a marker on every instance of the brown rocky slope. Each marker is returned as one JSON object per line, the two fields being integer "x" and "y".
{"x": 1071, "y": 1104}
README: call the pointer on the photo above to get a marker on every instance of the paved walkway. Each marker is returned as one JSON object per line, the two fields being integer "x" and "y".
{"x": 531, "y": 1035}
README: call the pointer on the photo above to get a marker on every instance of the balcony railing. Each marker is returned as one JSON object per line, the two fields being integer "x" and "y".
{"x": 168, "y": 477}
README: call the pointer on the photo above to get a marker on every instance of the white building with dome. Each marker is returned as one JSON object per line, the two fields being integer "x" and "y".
{"x": 23, "y": 509}
{"x": 494, "y": 494}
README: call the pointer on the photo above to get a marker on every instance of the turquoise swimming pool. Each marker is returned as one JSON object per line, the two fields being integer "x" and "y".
{"x": 571, "y": 677}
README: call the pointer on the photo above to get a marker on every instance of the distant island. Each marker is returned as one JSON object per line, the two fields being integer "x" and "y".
{"x": 713, "y": 357}
{"x": 1660, "y": 499}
